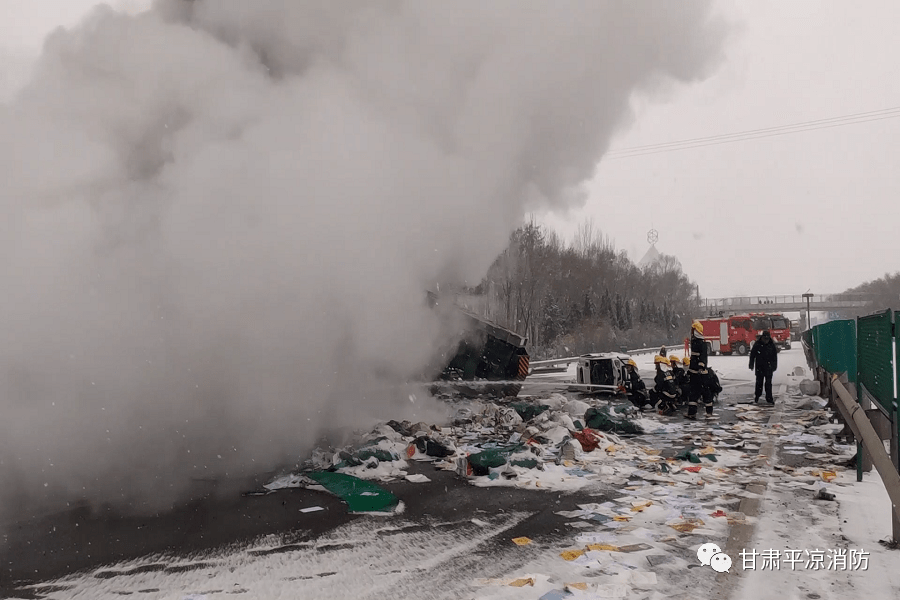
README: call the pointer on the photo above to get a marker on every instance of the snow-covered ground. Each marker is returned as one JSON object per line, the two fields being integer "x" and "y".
{"x": 641, "y": 517}
{"x": 837, "y": 544}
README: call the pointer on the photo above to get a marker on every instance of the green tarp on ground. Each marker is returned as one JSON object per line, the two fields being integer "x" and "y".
{"x": 528, "y": 411}
{"x": 359, "y": 494}
{"x": 688, "y": 454}
{"x": 490, "y": 458}
{"x": 597, "y": 419}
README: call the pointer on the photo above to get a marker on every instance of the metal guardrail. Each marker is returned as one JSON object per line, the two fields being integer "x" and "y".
{"x": 864, "y": 347}
{"x": 571, "y": 359}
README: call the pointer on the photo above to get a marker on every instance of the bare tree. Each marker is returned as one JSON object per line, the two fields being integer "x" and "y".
{"x": 600, "y": 298}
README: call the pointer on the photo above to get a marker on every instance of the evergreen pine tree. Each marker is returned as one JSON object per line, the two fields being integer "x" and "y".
{"x": 620, "y": 312}
{"x": 606, "y": 305}
{"x": 588, "y": 309}
{"x": 551, "y": 319}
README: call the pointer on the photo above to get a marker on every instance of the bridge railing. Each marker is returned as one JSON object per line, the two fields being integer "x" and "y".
{"x": 762, "y": 301}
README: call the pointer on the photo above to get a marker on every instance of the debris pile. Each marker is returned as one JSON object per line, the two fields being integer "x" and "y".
{"x": 553, "y": 443}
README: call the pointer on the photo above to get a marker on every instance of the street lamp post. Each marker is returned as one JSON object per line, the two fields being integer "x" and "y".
{"x": 808, "y": 323}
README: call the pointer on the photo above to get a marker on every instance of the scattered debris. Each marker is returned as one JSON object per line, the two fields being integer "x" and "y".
{"x": 890, "y": 544}
{"x": 810, "y": 387}
{"x": 688, "y": 477}
{"x": 824, "y": 495}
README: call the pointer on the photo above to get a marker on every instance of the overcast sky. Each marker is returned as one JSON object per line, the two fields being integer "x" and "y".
{"x": 779, "y": 215}
{"x": 813, "y": 210}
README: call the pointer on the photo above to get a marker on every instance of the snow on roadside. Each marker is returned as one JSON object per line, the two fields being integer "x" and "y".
{"x": 811, "y": 548}
{"x": 793, "y": 526}
{"x": 865, "y": 511}
{"x": 822, "y": 534}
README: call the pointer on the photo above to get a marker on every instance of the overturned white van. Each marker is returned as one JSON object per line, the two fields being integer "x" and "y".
{"x": 602, "y": 373}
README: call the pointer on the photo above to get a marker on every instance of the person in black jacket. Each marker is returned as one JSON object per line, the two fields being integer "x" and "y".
{"x": 697, "y": 373}
{"x": 764, "y": 355}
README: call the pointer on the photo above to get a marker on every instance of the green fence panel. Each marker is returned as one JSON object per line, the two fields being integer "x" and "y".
{"x": 896, "y": 416}
{"x": 835, "y": 347}
{"x": 875, "y": 342}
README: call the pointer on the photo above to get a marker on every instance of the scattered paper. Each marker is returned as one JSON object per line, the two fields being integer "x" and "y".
{"x": 642, "y": 578}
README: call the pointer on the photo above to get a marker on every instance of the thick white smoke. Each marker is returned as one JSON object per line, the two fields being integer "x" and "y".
{"x": 220, "y": 216}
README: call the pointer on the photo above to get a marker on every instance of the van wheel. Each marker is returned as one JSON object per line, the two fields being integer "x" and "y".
{"x": 741, "y": 349}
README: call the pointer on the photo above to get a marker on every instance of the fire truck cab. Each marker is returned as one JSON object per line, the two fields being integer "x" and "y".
{"x": 778, "y": 325}
{"x": 736, "y": 334}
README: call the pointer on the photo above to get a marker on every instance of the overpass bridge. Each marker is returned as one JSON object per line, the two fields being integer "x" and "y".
{"x": 797, "y": 303}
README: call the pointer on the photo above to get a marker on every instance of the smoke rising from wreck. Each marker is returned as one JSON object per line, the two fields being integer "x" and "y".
{"x": 220, "y": 217}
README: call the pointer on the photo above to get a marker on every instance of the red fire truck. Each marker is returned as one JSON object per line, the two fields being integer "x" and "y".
{"x": 735, "y": 335}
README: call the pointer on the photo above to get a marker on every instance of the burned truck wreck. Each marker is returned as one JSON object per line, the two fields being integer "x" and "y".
{"x": 478, "y": 357}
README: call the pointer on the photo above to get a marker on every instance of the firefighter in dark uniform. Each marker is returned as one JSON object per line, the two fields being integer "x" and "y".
{"x": 664, "y": 395}
{"x": 697, "y": 373}
{"x": 635, "y": 387}
{"x": 677, "y": 375}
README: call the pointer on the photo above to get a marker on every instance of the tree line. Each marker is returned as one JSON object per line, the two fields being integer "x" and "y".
{"x": 880, "y": 294}
{"x": 583, "y": 296}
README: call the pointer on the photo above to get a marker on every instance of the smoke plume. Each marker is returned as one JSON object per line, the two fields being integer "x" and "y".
{"x": 221, "y": 216}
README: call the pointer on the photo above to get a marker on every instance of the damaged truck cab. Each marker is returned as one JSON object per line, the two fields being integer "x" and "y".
{"x": 479, "y": 351}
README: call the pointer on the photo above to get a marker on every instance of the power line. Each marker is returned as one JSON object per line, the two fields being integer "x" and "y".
{"x": 853, "y": 119}
{"x": 778, "y": 127}
{"x": 728, "y": 141}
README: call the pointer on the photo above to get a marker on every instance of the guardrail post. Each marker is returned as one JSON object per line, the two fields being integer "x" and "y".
{"x": 864, "y": 464}
{"x": 860, "y": 461}
{"x": 895, "y": 458}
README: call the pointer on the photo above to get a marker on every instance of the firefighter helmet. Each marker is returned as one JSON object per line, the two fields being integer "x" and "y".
{"x": 674, "y": 359}
{"x": 658, "y": 359}
{"x": 698, "y": 327}
{"x": 631, "y": 363}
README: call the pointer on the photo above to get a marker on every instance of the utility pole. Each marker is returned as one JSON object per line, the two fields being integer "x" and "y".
{"x": 808, "y": 296}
